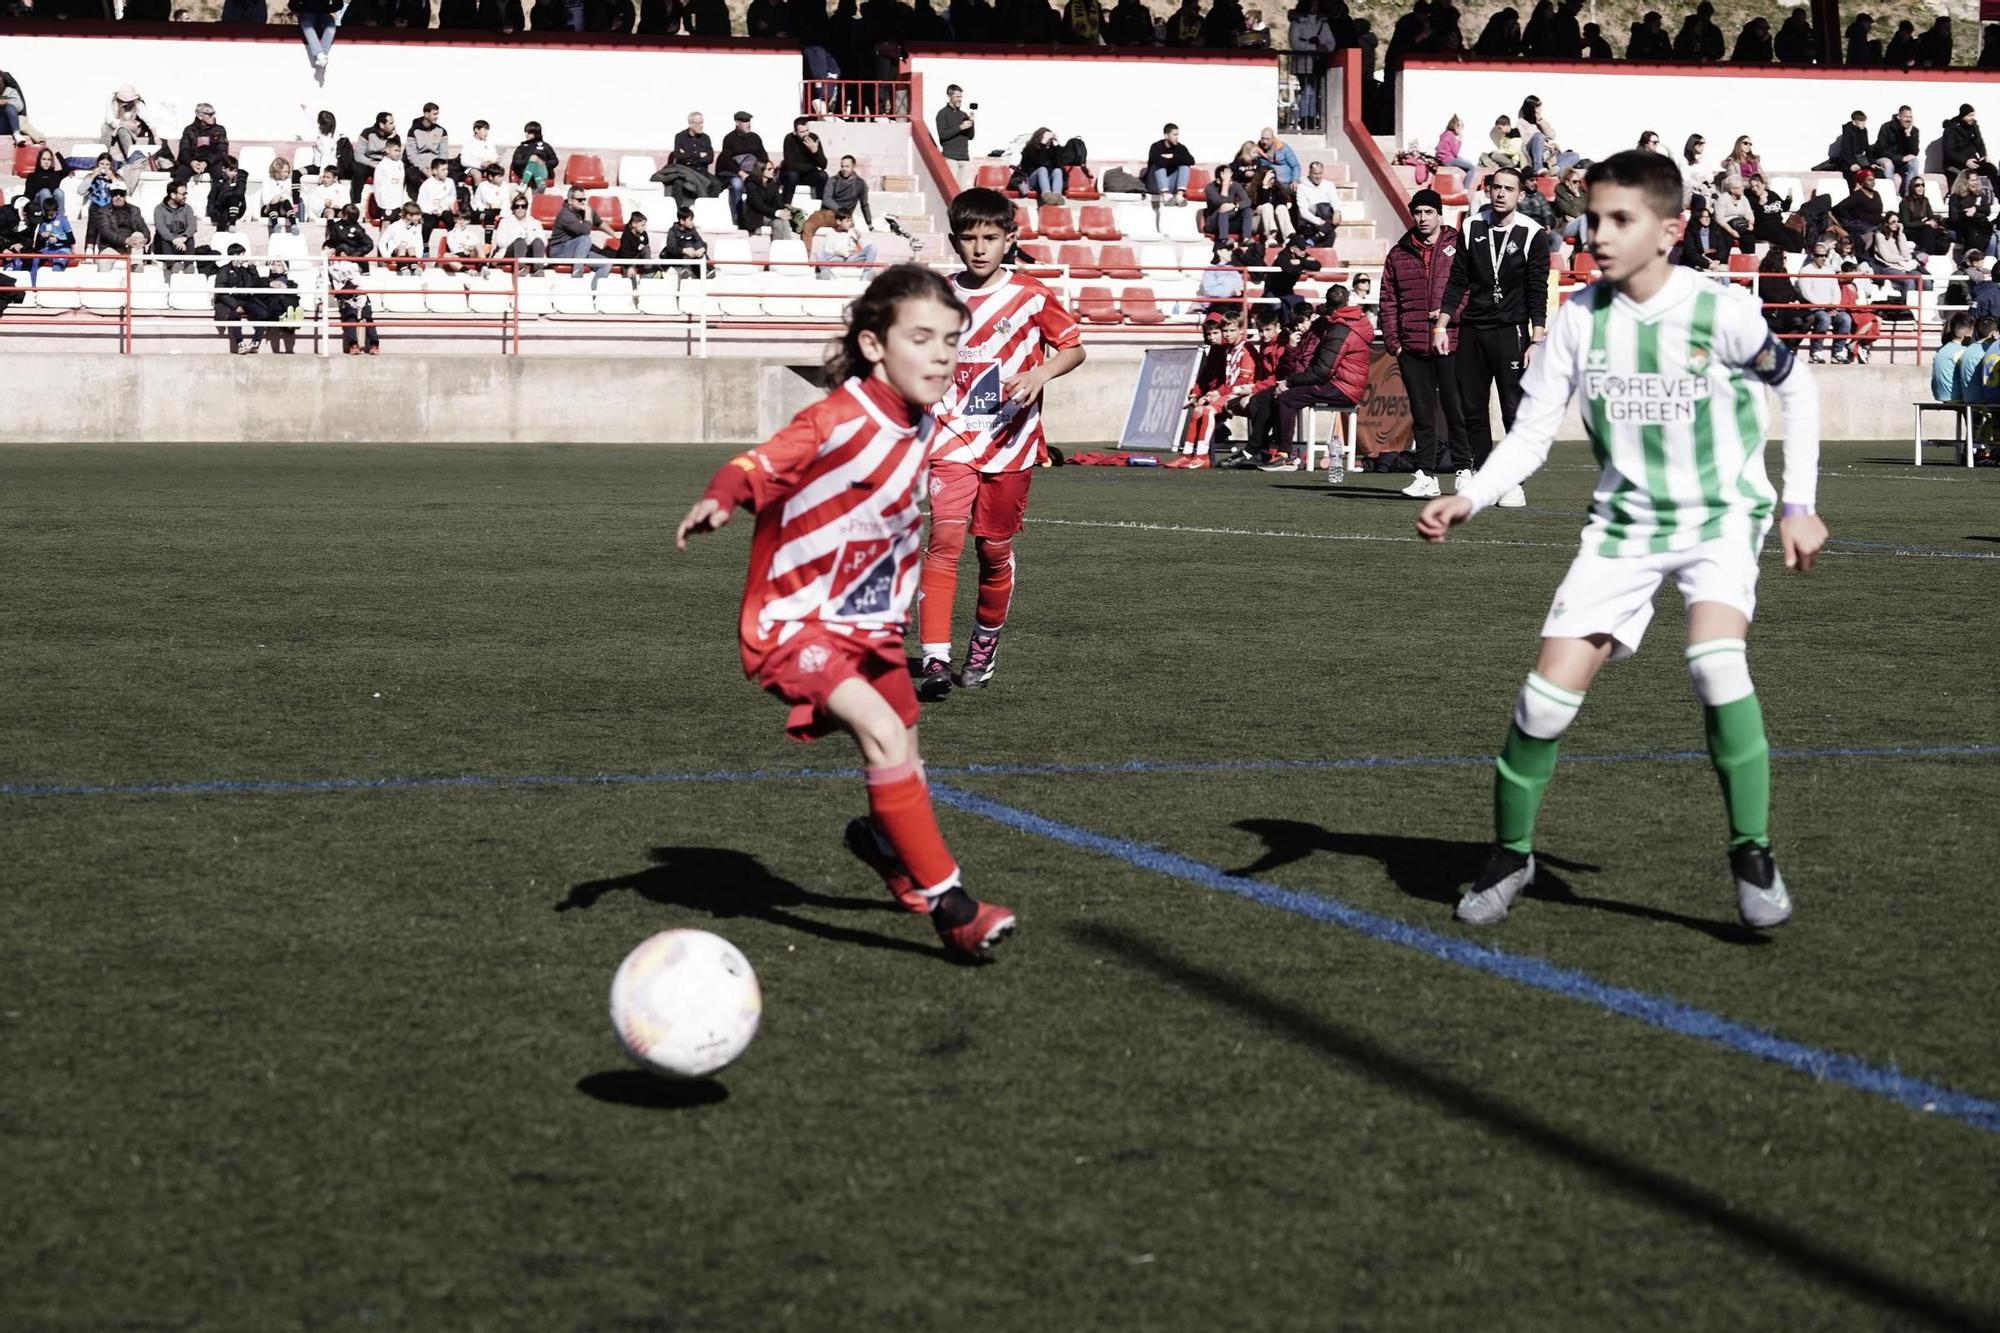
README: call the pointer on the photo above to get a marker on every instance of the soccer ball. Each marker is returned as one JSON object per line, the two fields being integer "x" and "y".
{"x": 685, "y": 1003}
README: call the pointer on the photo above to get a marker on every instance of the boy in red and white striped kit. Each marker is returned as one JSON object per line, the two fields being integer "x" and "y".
{"x": 833, "y": 564}
{"x": 989, "y": 436}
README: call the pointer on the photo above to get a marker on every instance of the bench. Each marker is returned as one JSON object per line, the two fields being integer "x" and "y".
{"x": 1962, "y": 416}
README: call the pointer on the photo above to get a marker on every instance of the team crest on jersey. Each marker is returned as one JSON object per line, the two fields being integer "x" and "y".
{"x": 1003, "y": 326}
{"x": 813, "y": 658}
{"x": 1698, "y": 360}
{"x": 1450, "y": 250}
{"x": 1767, "y": 358}
{"x": 1597, "y": 359}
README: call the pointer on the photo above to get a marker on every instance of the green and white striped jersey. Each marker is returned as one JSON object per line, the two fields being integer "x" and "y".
{"x": 1674, "y": 402}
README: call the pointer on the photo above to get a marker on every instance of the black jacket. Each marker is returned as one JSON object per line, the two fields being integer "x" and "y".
{"x": 1326, "y": 355}
{"x": 1962, "y": 142}
{"x": 1290, "y": 268}
{"x": 203, "y": 143}
{"x": 1860, "y": 212}
{"x": 954, "y": 133}
{"x": 679, "y": 241}
{"x": 225, "y": 201}
{"x": 348, "y": 238}
{"x": 1850, "y": 149}
{"x": 1523, "y": 277}
{"x": 797, "y": 157}
{"x": 228, "y": 303}
{"x": 1794, "y": 42}
{"x": 1691, "y": 253}
{"x": 1035, "y": 156}
{"x": 761, "y": 202}
{"x": 119, "y": 224}
{"x": 693, "y": 151}
{"x": 741, "y": 143}
{"x": 1169, "y": 157}
{"x": 569, "y": 225}
{"x": 535, "y": 148}
{"x": 1896, "y": 143}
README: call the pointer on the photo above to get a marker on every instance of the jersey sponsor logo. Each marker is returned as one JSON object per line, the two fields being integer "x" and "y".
{"x": 872, "y": 595}
{"x": 1646, "y": 399}
{"x": 978, "y": 384}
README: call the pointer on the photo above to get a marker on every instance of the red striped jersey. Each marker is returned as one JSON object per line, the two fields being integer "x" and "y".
{"x": 837, "y": 543}
{"x": 1014, "y": 324}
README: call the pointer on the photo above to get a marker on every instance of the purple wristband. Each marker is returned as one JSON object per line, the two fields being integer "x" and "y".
{"x": 1795, "y": 511}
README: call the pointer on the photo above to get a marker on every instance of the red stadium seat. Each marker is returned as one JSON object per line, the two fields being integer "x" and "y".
{"x": 610, "y": 209}
{"x": 1056, "y": 223}
{"x": 992, "y": 176}
{"x": 544, "y": 207}
{"x": 1080, "y": 185}
{"x": 1142, "y": 308}
{"x": 1120, "y": 261}
{"x": 1024, "y": 222}
{"x": 1096, "y": 305}
{"x": 1098, "y": 224}
{"x": 1584, "y": 265}
{"x": 1547, "y": 186}
{"x": 1198, "y": 179}
{"x": 1080, "y": 260}
{"x": 1328, "y": 260}
{"x": 1451, "y": 188}
{"x": 1041, "y": 259}
{"x": 587, "y": 170}
{"x": 24, "y": 157}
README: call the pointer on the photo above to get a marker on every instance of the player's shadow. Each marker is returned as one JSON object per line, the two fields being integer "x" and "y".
{"x": 1438, "y": 870}
{"x": 1677, "y": 1192}
{"x": 1338, "y": 492}
{"x": 636, "y": 1087}
{"x": 725, "y": 883}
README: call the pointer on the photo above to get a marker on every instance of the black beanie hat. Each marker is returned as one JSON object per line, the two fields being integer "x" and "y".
{"x": 1426, "y": 198}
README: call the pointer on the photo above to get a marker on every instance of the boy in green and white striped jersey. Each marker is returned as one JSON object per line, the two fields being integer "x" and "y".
{"x": 1673, "y": 368}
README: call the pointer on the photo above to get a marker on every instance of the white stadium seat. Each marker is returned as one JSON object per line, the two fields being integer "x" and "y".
{"x": 1136, "y": 222}
{"x": 396, "y": 293}
{"x": 658, "y": 296}
{"x": 791, "y": 252}
{"x": 731, "y": 295}
{"x": 1179, "y": 224}
{"x": 830, "y": 297}
{"x": 711, "y": 216}
{"x": 614, "y": 295}
{"x": 635, "y": 172}
{"x": 489, "y": 293}
{"x": 111, "y": 298}
{"x": 573, "y": 296}
{"x": 255, "y": 163}
{"x": 55, "y": 289}
{"x": 538, "y": 294}
{"x": 190, "y": 291}
{"x": 149, "y": 291}
{"x": 444, "y": 293}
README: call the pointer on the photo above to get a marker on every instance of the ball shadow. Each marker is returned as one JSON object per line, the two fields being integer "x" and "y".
{"x": 650, "y": 1092}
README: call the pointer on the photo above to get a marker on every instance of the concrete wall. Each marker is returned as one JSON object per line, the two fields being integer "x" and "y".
{"x": 307, "y": 399}
{"x": 1116, "y": 105}
{"x": 583, "y": 95}
{"x": 1792, "y": 117}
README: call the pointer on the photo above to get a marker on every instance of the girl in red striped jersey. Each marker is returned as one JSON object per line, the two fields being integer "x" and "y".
{"x": 833, "y": 565}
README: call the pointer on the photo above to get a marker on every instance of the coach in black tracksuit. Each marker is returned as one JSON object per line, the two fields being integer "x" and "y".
{"x": 1501, "y": 272}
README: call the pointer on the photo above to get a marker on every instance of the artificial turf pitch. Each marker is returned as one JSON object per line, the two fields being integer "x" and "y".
{"x": 336, "y": 1057}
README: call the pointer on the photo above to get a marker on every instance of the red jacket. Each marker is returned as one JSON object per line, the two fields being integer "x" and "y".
{"x": 1341, "y": 353}
{"x": 1413, "y": 279}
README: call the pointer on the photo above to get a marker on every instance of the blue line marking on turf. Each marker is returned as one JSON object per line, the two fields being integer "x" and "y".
{"x": 295, "y": 786}
{"x": 1656, "y": 1011}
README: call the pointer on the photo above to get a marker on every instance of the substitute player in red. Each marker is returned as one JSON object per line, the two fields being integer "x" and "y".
{"x": 833, "y": 564}
{"x": 989, "y": 435}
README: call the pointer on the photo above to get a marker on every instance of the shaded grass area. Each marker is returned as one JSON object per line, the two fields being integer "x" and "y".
{"x": 325, "y": 1061}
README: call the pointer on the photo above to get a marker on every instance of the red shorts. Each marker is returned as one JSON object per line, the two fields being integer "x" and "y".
{"x": 995, "y": 502}
{"x": 814, "y": 662}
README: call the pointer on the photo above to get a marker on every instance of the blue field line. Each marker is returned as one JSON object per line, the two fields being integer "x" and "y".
{"x": 1656, "y": 1011}
{"x": 289, "y": 786}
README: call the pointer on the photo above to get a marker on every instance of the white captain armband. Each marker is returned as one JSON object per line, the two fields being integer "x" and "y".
{"x": 1773, "y": 362}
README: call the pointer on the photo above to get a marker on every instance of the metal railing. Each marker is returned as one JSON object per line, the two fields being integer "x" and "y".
{"x": 855, "y": 99}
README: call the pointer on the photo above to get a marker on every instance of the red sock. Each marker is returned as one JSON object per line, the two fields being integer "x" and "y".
{"x": 900, "y": 803}
{"x": 940, "y": 582}
{"x": 996, "y": 583}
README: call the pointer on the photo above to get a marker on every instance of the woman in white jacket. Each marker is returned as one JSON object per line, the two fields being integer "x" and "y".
{"x": 519, "y": 236}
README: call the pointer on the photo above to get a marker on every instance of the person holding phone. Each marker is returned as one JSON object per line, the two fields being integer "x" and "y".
{"x": 955, "y": 124}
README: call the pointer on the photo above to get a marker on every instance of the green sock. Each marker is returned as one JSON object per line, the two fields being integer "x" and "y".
{"x": 1520, "y": 775}
{"x": 1742, "y": 759}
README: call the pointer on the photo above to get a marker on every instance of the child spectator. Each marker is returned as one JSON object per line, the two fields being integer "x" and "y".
{"x": 346, "y": 236}
{"x": 52, "y": 237}
{"x": 391, "y": 181}
{"x": 226, "y": 203}
{"x": 437, "y": 199}
{"x": 636, "y": 243}
{"x": 1282, "y": 283}
{"x": 236, "y": 304}
{"x": 1858, "y": 296}
{"x": 278, "y": 308}
{"x": 357, "y": 312}
{"x": 482, "y": 197}
{"x": 683, "y": 241}
{"x": 403, "y": 239}
{"x": 835, "y": 246}
{"x": 535, "y": 162}
{"x": 835, "y": 653}
{"x": 321, "y": 197}
{"x": 465, "y": 245}
{"x": 478, "y": 152}
{"x": 45, "y": 182}
{"x": 1972, "y": 362}
{"x": 1221, "y": 282}
{"x": 280, "y": 207}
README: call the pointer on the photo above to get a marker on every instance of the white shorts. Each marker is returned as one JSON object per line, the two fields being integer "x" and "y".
{"x": 1614, "y": 594}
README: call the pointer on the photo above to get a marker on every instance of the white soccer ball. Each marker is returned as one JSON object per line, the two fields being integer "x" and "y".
{"x": 685, "y": 1003}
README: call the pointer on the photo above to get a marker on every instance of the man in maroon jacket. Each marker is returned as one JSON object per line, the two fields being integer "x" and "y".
{"x": 1413, "y": 282}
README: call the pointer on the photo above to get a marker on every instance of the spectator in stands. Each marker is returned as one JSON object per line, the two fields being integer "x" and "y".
{"x": 1796, "y": 42}
{"x": 1227, "y": 206}
{"x": 1964, "y": 144}
{"x": 1413, "y": 283}
{"x": 1980, "y": 288}
{"x": 1969, "y": 210}
{"x": 1819, "y": 288}
{"x": 1780, "y": 297}
{"x": 1852, "y": 148}
{"x": 485, "y": 200}
{"x": 14, "y": 111}
{"x": 124, "y": 129}
{"x": 1594, "y": 45}
{"x": 1858, "y": 297}
{"x": 321, "y": 196}
{"x": 569, "y": 238}
{"x": 1934, "y": 47}
{"x": 1649, "y": 40}
{"x": 1753, "y": 43}
{"x": 1699, "y": 38}
{"x": 955, "y": 126}
{"x": 1989, "y": 47}
{"x": 764, "y": 210}
{"x": 1770, "y": 211}
{"x": 802, "y": 162}
{"x": 1040, "y": 169}
{"x": 1508, "y": 149}
{"x": 329, "y": 148}
{"x": 477, "y": 153}
{"x": 1944, "y": 362}
{"x": 1891, "y": 252}
{"x": 636, "y": 243}
{"x": 121, "y": 227}
{"x": 94, "y": 193}
{"x": 277, "y": 308}
{"x": 1742, "y": 161}
{"x": 1697, "y": 181}
{"x": 204, "y": 144}
{"x": 743, "y": 160}
{"x": 1221, "y": 284}
{"x": 1500, "y": 39}
{"x": 226, "y": 202}
{"x": 1451, "y": 148}
{"x": 1281, "y": 283}
{"x": 45, "y": 182}
{"x": 1649, "y": 142}
{"x": 370, "y": 149}
{"x": 319, "y": 21}
{"x": 464, "y": 245}
{"x": 279, "y": 204}
{"x": 1543, "y": 155}
{"x": 1276, "y": 154}
{"x": 846, "y": 189}
{"x": 1273, "y": 203}
{"x": 1168, "y": 165}
{"x": 1864, "y": 50}
{"x": 1920, "y": 221}
{"x": 347, "y": 237}
{"x": 1703, "y": 245}
{"x": 1898, "y": 149}
{"x": 357, "y": 312}
{"x": 1318, "y": 206}
{"x": 1569, "y": 204}
{"x": 14, "y": 239}
{"x": 1902, "y": 51}
{"x": 174, "y": 223}
{"x": 426, "y": 142}
{"x": 683, "y": 241}
{"x": 836, "y": 245}
{"x": 403, "y": 239}
{"x": 1734, "y": 217}
{"x": 1129, "y": 23}
{"x": 392, "y": 189}
{"x": 52, "y": 236}
{"x": 518, "y": 235}
{"x": 535, "y": 161}
{"x": 1861, "y": 212}
{"x": 1307, "y": 36}
{"x": 236, "y": 286}
{"x": 437, "y": 199}
{"x": 766, "y": 19}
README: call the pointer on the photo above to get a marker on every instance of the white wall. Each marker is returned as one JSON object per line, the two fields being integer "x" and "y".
{"x": 589, "y": 98}
{"x": 1117, "y": 107}
{"x": 1792, "y": 118}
